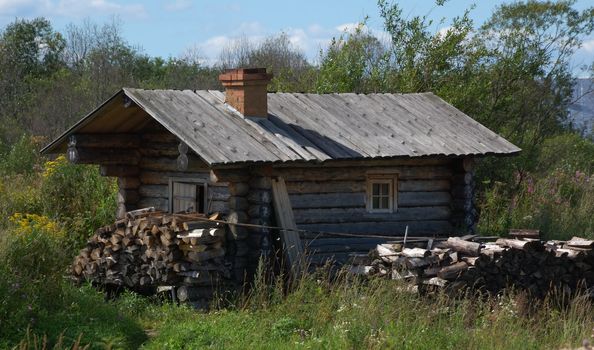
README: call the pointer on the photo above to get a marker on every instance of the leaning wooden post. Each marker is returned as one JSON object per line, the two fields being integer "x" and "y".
{"x": 284, "y": 216}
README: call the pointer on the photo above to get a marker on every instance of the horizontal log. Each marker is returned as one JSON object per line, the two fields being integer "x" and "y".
{"x": 107, "y": 140}
{"x": 347, "y": 186}
{"x": 373, "y": 163}
{"x": 229, "y": 175}
{"x": 354, "y": 215}
{"x": 423, "y": 185}
{"x": 128, "y": 182}
{"x": 161, "y": 191}
{"x": 423, "y": 199}
{"x": 452, "y": 272}
{"x": 163, "y": 177}
{"x": 333, "y": 174}
{"x": 195, "y": 164}
{"x": 387, "y": 228}
{"x": 321, "y": 242}
{"x": 340, "y": 248}
{"x": 107, "y": 156}
{"x": 466, "y": 247}
{"x": 214, "y": 193}
{"x": 119, "y": 170}
{"x": 160, "y": 150}
{"x": 328, "y": 200}
{"x": 128, "y": 196}
{"x": 159, "y": 137}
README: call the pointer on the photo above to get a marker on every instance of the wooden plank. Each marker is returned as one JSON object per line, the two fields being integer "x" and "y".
{"x": 284, "y": 217}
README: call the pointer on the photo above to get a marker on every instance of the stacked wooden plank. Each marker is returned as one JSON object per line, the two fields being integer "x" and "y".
{"x": 460, "y": 264}
{"x": 148, "y": 249}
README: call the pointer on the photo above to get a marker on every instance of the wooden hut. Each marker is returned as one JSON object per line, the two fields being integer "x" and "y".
{"x": 367, "y": 164}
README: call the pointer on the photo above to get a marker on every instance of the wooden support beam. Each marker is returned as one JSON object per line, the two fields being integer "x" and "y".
{"x": 284, "y": 217}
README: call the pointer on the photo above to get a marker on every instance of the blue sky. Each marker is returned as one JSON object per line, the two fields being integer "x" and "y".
{"x": 174, "y": 27}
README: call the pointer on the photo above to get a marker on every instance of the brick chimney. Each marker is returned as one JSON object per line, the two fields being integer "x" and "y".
{"x": 246, "y": 90}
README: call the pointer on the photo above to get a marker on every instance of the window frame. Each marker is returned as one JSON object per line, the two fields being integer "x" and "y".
{"x": 189, "y": 180}
{"x": 392, "y": 181}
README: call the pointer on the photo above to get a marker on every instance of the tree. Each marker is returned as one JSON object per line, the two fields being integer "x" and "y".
{"x": 29, "y": 51}
{"x": 355, "y": 62}
{"x": 287, "y": 63}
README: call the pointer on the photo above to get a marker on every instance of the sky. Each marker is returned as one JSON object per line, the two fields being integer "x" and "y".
{"x": 172, "y": 28}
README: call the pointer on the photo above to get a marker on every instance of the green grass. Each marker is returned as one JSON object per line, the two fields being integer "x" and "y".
{"x": 315, "y": 314}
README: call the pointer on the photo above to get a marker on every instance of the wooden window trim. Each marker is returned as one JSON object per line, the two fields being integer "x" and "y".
{"x": 392, "y": 180}
{"x": 202, "y": 182}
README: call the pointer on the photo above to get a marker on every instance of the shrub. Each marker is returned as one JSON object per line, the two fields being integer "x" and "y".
{"x": 560, "y": 204}
{"x": 79, "y": 196}
{"x": 22, "y": 157}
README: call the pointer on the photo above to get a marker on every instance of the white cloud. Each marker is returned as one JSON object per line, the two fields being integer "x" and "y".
{"x": 310, "y": 39}
{"x": 70, "y": 8}
{"x": 177, "y": 5}
{"x": 588, "y": 45}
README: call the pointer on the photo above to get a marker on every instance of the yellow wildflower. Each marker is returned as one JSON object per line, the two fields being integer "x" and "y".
{"x": 26, "y": 224}
{"x": 50, "y": 167}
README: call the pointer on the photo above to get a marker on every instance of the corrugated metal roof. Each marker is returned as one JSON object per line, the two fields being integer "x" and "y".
{"x": 313, "y": 127}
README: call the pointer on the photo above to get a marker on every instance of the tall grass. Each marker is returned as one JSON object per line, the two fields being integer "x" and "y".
{"x": 347, "y": 313}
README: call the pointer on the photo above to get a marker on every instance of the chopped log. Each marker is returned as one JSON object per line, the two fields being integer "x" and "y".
{"x": 459, "y": 245}
{"x": 453, "y": 271}
{"x": 415, "y": 252}
{"x": 577, "y": 242}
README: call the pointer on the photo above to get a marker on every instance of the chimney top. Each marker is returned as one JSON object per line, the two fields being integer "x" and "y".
{"x": 246, "y": 90}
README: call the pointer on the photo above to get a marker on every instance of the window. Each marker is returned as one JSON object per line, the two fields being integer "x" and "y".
{"x": 187, "y": 195}
{"x": 381, "y": 193}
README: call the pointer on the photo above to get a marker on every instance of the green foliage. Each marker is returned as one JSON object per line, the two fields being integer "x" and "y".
{"x": 352, "y": 63}
{"x": 22, "y": 158}
{"x": 76, "y": 195}
{"x": 79, "y": 196}
{"x": 560, "y": 204}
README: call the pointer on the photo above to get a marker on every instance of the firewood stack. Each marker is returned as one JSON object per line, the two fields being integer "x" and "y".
{"x": 460, "y": 264}
{"x": 149, "y": 249}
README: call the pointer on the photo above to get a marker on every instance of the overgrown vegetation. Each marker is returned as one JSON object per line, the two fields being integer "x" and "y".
{"x": 512, "y": 74}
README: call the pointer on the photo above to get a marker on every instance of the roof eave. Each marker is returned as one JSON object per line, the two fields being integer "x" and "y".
{"x": 50, "y": 148}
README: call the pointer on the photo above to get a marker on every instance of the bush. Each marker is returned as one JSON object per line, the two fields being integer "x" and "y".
{"x": 559, "y": 204}
{"x": 22, "y": 158}
{"x": 78, "y": 196}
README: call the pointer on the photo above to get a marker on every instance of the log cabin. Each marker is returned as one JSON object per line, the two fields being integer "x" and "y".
{"x": 370, "y": 165}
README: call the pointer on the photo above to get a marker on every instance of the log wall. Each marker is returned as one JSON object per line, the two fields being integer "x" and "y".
{"x": 333, "y": 199}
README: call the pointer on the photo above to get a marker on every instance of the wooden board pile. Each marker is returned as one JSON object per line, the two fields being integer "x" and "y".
{"x": 149, "y": 249}
{"x": 460, "y": 263}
